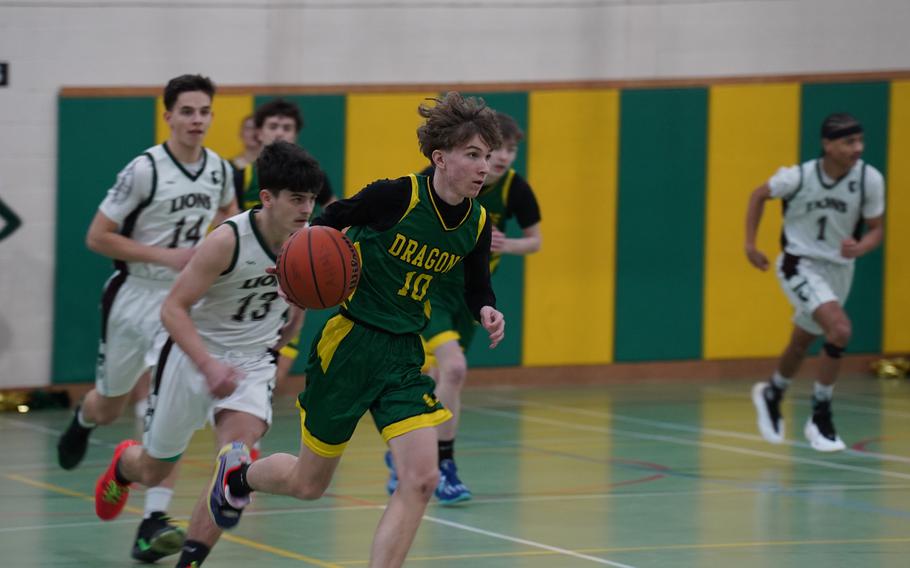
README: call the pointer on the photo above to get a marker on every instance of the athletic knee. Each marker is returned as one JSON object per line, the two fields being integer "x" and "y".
{"x": 308, "y": 490}
{"x": 453, "y": 371}
{"x": 839, "y": 333}
{"x": 422, "y": 480}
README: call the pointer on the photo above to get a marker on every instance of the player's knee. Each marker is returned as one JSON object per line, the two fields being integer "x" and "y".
{"x": 421, "y": 480}
{"x": 309, "y": 491}
{"x": 839, "y": 333}
{"x": 453, "y": 371}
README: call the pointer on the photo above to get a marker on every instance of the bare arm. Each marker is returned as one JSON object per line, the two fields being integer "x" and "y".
{"x": 528, "y": 243}
{"x": 851, "y": 248}
{"x": 753, "y": 218}
{"x": 103, "y": 237}
{"x": 211, "y": 259}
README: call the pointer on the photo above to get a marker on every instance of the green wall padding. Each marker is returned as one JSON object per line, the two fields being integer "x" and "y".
{"x": 97, "y": 138}
{"x": 660, "y": 224}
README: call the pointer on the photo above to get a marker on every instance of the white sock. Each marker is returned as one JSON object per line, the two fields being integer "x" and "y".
{"x": 80, "y": 417}
{"x": 157, "y": 499}
{"x": 780, "y": 381}
{"x": 823, "y": 392}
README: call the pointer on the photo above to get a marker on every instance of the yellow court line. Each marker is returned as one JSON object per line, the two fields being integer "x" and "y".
{"x": 228, "y": 537}
{"x": 648, "y": 549}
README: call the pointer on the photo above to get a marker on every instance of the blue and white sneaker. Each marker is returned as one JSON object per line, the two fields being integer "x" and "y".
{"x": 392, "y": 484}
{"x": 450, "y": 489}
{"x": 223, "y": 507}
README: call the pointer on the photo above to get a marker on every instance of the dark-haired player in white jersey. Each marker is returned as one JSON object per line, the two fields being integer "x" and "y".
{"x": 826, "y": 201}
{"x": 159, "y": 209}
{"x": 224, "y": 317}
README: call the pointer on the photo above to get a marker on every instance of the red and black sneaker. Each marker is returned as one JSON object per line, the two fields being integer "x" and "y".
{"x": 110, "y": 495}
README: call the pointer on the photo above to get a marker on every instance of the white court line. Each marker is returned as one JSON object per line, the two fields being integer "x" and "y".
{"x": 526, "y": 542}
{"x": 842, "y": 402}
{"x": 676, "y": 426}
{"x": 687, "y": 442}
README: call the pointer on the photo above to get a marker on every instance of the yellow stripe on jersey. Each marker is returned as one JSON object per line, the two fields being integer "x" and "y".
{"x": 570, "y": 283}
{"x": 334, "y": 332}
{"x": 415, "y": 197}
{"x": 319, "y": 447}
{"x": 506, "y": 186}
{"x": 752, "y": 131}
{"x": 483, "y": 221}
{"x": 379, "y": 137}
{"x": 415, "y": 423}
{"x": 896, "y": 336}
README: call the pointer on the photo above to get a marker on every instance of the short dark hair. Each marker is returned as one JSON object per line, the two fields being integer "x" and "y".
{"x": 509, "y": 128}
{"x": 283, "y": 166}
{"x": 454, "y": 120}
{"x": 840, "y": 124}
{"x": 186, "y": 84}
{"x": 278, "y": 107}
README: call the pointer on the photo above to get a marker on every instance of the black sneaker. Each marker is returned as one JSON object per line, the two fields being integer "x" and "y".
{"x": 767, "y": 399}
{"x": 73, "y": 443}
{"x": 820, "y": 430}
{"x": 157, "y": 538}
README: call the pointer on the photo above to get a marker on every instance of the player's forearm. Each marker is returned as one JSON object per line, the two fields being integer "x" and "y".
{"x": 521, "y": 245}
{"x": 118, "y": 247}
{"x": 754, "y": 214}
{"x": 872, "y": 239}
{"x": 179, "y": 325}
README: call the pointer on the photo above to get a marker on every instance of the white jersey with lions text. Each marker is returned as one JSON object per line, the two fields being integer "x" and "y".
{"x": 157, "y": 201}
{"x": 819, "y": 212}
{"x": 242, "y": 311}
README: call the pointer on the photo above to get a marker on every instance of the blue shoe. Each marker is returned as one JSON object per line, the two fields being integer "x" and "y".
{"x": 450, "y": 489}
{"x": 224, "y": 508}
{"x": 392, "y": 484}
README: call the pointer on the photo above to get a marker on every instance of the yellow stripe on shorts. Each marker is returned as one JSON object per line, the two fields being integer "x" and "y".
{"x": 318, "y": 447}
{"x": 336, "y": 329}
{"x": 415, "y": 423}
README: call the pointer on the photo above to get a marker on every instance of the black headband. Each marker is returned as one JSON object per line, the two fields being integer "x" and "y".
{"x": 834, "y": 134}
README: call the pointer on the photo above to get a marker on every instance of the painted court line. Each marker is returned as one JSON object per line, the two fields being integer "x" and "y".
{"x": 531, "y": 543}
{"x": 688, "y": 442}
{"x": 676, "y": 426}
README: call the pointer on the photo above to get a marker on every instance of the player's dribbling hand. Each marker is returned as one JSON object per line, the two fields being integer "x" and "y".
{"x": 221, "y": 379}
{"x": 177, "y": 258}
{"x": 493, "y": 321}
{"x": 498, "y": 242}
{"x": 849, "y": 248}
{"x": 273, "y": 270}
{"x": 757, "y": 258}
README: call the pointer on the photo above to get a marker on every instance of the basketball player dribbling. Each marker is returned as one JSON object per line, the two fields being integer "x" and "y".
{"x": 410, "y": 232}
{"x": 217, "y": 360}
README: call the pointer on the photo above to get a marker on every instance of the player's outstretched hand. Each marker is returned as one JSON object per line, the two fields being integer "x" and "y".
{"x": 221, "y": 379}
{"x": 498, "y": 242}
{"x": 493, "y": 321}
{"x": 757, "y": 258}
{"x": 849, "y": 248}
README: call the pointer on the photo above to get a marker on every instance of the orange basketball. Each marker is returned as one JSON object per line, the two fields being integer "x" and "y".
{"x": 318, "y": 267}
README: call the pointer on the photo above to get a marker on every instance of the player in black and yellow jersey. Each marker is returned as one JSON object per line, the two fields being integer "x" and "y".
{"x": 505, "y": 195}
{"x": 278, "y": 119}
{"x": 411, "y": 233}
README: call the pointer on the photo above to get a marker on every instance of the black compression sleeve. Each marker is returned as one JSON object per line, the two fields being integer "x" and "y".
{"x": 478, "y": 290}
{"x": 379, "y": 206}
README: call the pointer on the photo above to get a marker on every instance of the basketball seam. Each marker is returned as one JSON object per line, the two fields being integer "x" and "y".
{"x": 284, "y": 270}
{"x": 309, "y": 244}
{"x": 344, "y": 270}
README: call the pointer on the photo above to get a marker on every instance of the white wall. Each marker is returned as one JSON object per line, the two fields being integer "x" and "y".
{"x": 55, "y": 43}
